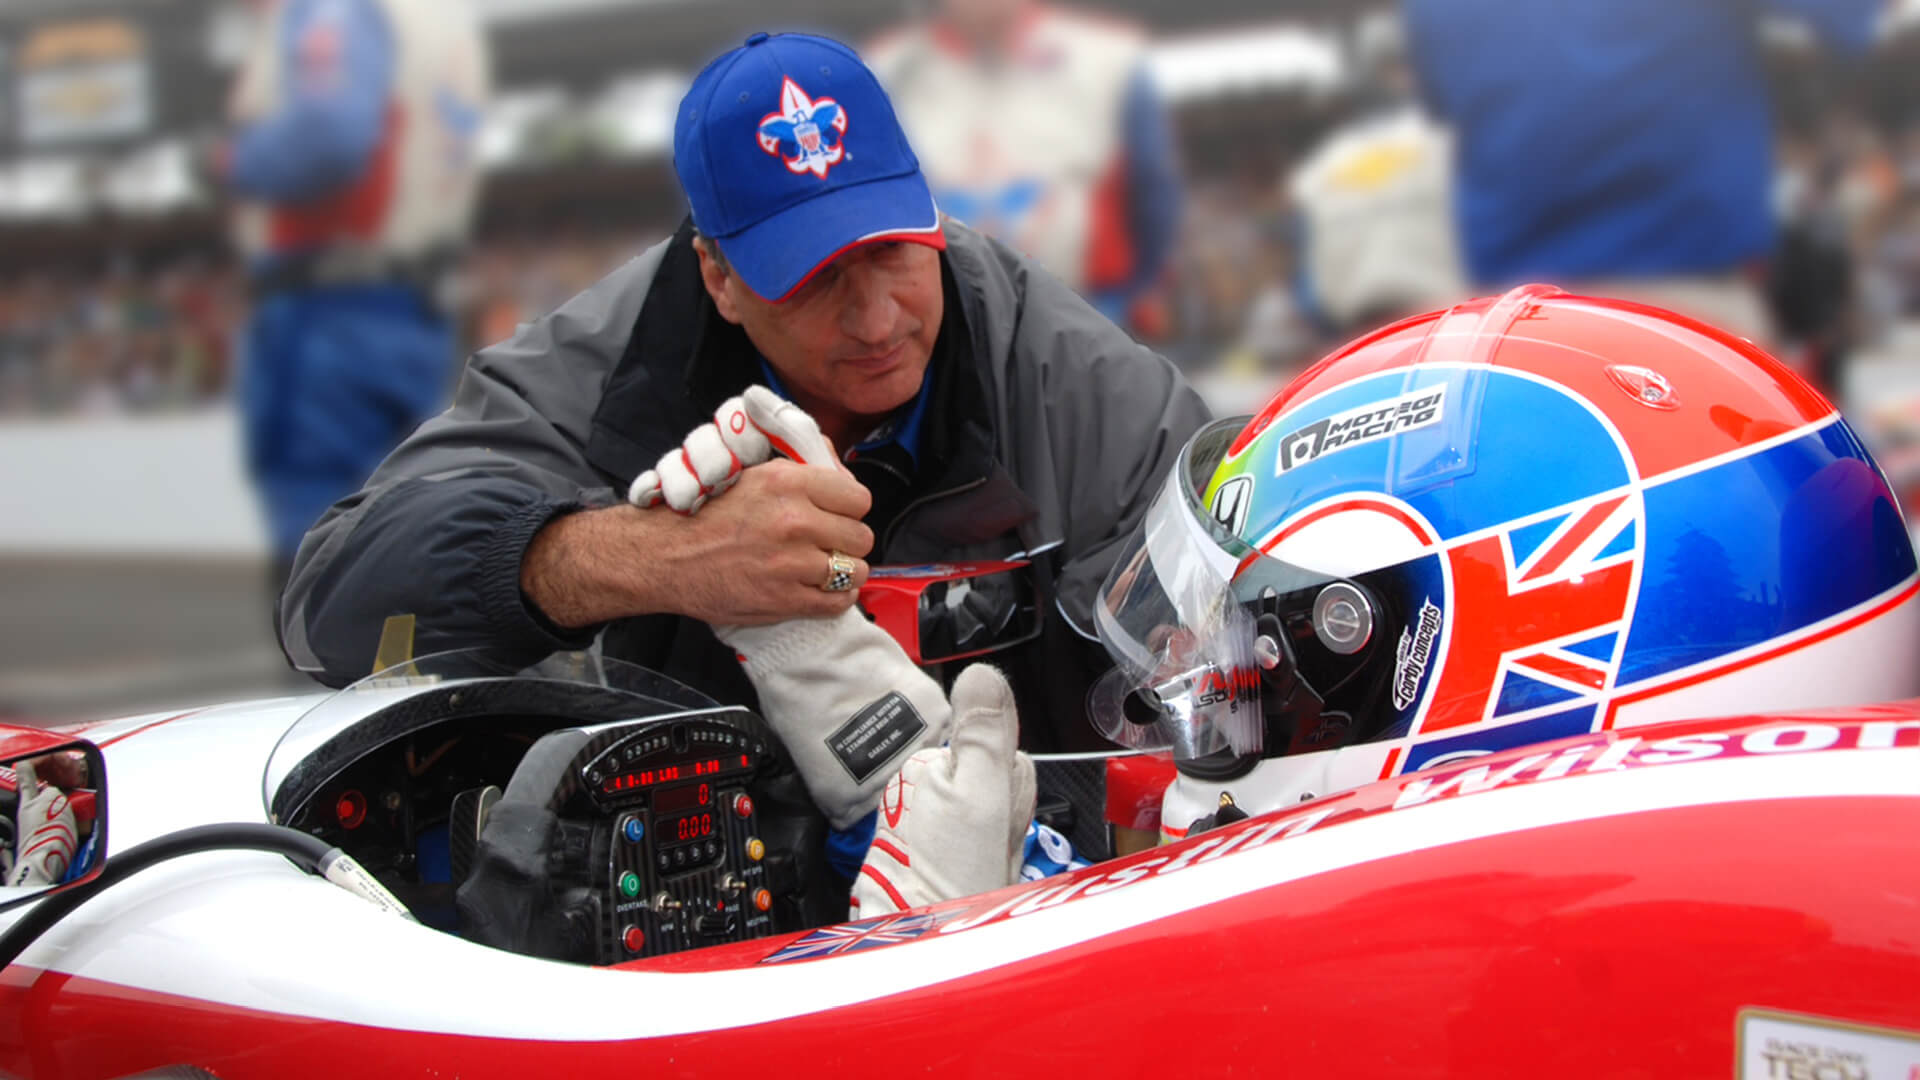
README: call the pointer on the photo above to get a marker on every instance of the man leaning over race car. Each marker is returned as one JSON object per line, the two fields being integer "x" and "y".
{"x": 987, "y": 409}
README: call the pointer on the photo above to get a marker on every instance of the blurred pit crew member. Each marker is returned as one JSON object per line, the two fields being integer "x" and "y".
{"x": 1527, "y": 517}
{"x": 1620, "y": 147}
{"x": 984, "y": 410}
{"x": 352, "y": 161}
{"x": 1041, "y": 127}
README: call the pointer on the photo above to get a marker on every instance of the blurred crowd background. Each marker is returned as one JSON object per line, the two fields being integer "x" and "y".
{"x": 1312, "y": 200}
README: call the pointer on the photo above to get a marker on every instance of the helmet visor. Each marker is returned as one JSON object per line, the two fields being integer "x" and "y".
{"x": 1185, "y": 674}
{"x": 1203, "y": 627}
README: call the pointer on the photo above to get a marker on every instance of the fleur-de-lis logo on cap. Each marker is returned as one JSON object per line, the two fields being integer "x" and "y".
{"x": 807, "y": 135}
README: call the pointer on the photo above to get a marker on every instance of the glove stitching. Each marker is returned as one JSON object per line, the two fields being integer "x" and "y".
{"x": 801, "y": 637}
{"x": 898, "y": 855}
{"x": 880, "y": 879}
{"x": 686, "y": 462}
{"x": 53, "y": 834}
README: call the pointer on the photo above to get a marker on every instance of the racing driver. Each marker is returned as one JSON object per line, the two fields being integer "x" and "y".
{"x": 1528, "y": 517}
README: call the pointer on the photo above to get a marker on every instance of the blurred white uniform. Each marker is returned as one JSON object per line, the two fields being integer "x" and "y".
{"x": 1026, "y": 146}
{"x": 1377, "y": 202}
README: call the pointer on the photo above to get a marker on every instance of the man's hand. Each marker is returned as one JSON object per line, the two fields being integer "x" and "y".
{"x": 757, "y": 556}
{"x": 953, "y": 822}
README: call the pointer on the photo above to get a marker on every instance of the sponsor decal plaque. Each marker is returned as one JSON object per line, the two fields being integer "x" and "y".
{"x": 1788, "y": 1046}
{"x": 875, "y": 735}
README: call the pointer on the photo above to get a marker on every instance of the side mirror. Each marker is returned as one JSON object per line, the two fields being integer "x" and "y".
{"x": 53, "y": 813}
{"x": 951, "y": 611}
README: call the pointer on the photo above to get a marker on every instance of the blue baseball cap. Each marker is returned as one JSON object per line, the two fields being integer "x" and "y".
{"x": 790, "y": 154}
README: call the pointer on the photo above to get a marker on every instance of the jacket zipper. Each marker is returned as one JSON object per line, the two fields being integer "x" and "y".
{"x": 886, "y": 541}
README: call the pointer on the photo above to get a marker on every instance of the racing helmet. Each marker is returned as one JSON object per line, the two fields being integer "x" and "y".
{"x": 1526, "y": 517}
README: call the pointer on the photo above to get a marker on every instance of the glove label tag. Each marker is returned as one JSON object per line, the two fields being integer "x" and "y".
{"x": 876, "y": 735}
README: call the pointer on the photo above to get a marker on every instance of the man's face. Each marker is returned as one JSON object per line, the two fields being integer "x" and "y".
{"x": 853, "y": 343}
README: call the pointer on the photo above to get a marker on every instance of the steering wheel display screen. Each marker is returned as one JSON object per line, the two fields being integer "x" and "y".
{"x": 620, "y": 785}
{"x": 695, "y": 826}
{"x": 685, "y": 797}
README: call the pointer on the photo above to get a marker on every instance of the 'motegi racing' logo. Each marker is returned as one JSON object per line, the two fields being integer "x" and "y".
{"x": 807, "y": 135}
{"x": 1407, "y": 412}
{"x": 1413, "y": 654}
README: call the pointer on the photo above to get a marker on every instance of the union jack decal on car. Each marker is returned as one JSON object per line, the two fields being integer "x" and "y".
{"x": 858, "y": 936}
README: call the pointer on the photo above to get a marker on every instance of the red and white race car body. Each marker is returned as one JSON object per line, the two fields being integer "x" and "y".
{"x": 1681, "y": 900}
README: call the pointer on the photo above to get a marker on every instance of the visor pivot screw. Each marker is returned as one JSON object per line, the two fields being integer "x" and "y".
{"x": 1266, "y": 652}
{"x": 1342, "y": 618}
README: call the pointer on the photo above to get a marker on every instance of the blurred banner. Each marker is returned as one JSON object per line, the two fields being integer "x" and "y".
{"x": 83, "y": 80}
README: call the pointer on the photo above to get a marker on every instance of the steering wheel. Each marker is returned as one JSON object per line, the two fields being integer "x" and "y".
{"x": 636, "y": 824}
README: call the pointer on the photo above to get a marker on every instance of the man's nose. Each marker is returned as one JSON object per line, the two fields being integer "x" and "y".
{"x": 870, "y": 311}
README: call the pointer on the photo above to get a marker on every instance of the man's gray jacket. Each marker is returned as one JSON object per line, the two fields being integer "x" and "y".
{"x": 1047, "y": 424}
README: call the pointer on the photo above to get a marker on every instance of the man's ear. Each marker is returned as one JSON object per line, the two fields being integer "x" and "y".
{"x": 715, "y": 274}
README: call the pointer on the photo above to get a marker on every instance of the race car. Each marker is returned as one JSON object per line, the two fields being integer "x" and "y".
{"x": 1472, "y": 690}
{"x": 1677, "y": 900}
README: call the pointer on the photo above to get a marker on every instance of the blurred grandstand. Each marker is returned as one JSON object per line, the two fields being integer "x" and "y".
{"x": 117, "y": 283}
{"x": 120, "y": 294}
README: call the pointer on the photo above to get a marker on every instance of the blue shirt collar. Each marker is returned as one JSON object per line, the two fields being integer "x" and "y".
{"x": 901, "y": 427}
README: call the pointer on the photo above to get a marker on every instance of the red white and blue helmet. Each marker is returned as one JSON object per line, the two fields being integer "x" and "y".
{"x": 1529, "y": 516}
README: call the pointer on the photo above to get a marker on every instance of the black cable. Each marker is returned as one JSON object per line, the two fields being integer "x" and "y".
{"x": 306, "y": 851}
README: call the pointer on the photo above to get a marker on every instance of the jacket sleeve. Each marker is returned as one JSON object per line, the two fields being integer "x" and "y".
{"x": 440, "y": 529}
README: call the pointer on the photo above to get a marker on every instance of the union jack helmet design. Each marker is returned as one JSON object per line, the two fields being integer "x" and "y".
{"x": 1527, "y": 517}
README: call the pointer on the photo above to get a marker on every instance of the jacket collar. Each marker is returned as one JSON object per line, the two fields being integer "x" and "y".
{"x": 677, "y": 369}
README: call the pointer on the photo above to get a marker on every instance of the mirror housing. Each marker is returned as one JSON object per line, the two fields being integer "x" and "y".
{"x": 53, "y": 813}
{"x": 954, "y": 611}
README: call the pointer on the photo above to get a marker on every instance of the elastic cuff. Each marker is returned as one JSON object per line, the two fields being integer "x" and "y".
{"x": 501, "y": 600}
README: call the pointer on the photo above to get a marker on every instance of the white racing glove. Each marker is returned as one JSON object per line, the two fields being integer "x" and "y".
{"x": 744, "y": 431}
{"x": 45, "y": 830}
{"x": 953, "y": 822}
{"x": 839, "y": 692}
{"x": 846, "y": 702}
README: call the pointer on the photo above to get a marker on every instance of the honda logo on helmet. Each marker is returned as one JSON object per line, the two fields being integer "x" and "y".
{"x": 1231, "y": 501}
